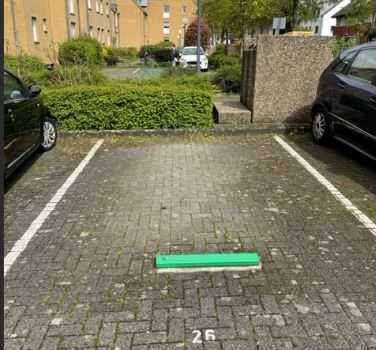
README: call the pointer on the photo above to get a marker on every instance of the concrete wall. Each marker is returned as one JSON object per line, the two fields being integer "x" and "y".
{"x": 286, "y": 75}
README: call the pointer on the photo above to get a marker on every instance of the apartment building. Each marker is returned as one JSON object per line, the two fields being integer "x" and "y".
{"x": 37, "y": 27}
{"x": 133, "y": 24}
{"x": 168, "y": 20}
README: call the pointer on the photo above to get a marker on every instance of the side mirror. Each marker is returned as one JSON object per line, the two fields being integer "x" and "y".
{"x": 15, "y": 95}
{"x": 34, "y": 90}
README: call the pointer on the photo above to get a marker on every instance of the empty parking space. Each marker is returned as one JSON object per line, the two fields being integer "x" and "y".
{"x": 87, "y": 277}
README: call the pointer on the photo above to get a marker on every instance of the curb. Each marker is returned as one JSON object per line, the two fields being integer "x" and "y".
{"x": 221, "y": 130}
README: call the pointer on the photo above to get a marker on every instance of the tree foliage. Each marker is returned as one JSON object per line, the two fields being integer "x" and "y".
{"x": 363, "y": 11}
{"x": 191, "y": 34}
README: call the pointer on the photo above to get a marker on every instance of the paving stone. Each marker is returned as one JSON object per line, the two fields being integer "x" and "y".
{"x": 86, "y": 280}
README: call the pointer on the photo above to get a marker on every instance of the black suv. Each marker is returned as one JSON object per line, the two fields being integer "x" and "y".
{"x": 28, "y": 124}
{"x": 345, "y": 107}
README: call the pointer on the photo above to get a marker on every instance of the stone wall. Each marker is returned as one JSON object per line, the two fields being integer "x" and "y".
{"x": 281, "y": 84}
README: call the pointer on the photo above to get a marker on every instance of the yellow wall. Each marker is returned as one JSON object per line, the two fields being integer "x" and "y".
{"x": 58, "y": 22}
{"x": 133, "y": 24}
{"x": 177, "y": 20}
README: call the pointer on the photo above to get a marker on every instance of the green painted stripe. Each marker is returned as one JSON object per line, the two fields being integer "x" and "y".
{"x": 207, "y": 260}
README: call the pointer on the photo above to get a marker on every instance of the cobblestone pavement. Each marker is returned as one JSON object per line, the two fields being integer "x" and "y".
{"x": 87, "y": 280}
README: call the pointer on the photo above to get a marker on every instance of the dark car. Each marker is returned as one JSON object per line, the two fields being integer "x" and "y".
{"x": 345, "y": 107}
{"x": 28, "y": 125}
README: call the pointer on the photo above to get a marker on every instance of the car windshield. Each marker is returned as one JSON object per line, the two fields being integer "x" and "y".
{"x": 191, "y": 51}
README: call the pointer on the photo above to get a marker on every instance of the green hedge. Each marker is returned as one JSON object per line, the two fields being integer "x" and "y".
{"x": 129, "y": 106}
{"x": 81, "y": 51}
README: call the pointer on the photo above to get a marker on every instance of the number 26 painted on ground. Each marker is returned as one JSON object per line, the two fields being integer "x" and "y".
{"x": 209, "y": 335}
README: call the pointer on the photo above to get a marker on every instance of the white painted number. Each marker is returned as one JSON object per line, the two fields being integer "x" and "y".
{"x": 197, "y": 339}
{"x": 209, "y": 335}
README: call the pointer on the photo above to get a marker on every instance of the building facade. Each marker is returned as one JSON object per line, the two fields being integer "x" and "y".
{"x": 133, "y": 24}
{"x": 36, "y": 27}
{"x": 168, "y": 20}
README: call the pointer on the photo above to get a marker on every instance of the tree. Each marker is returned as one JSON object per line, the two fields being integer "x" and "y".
{"x": 362, "y": 11}
{"x": 191, "y": 34}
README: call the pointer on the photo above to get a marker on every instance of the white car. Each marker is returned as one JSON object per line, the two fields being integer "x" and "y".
{"x": 188, "y": 58}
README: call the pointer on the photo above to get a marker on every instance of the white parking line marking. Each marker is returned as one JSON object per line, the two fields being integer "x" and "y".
{"x": 22, "y": 243}
{"x": 136, "y": 71}
{"x": 364, "y": 219}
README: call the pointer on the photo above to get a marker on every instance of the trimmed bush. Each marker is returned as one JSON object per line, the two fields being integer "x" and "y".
{"x": 81, "y": 51}
{"x": 160, "y": 52}
{"x": 75, "y": 75}
{"x": 219, "y": 59}
{"x": 228, "y": 78}
{"x": 129, "y": 106}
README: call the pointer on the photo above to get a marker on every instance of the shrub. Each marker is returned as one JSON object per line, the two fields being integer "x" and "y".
{"x": 75, "y": 75}
{"x": 110, "y": 57}
{"x": 130, "y": 53}
{"x": 81, "y": 51}
{"x": 343, "y": 43}
{"x": 160, "y": 52}
{"x": 228, "y": 78}
{"x": 219, "y": 59}
{"x": 30, "y": 69}
{"x": 128, "y": 106}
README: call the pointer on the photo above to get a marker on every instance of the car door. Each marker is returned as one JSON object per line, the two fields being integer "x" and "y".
{"x": 361, "y": 99}
{"x": 22, "y": 111}
{"x": 10, "y": 134}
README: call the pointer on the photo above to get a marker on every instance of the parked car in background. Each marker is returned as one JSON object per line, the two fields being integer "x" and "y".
{"x": 28, "y": 125}
{"x": 188, "y": 58}
{"x": 345, "y": 107}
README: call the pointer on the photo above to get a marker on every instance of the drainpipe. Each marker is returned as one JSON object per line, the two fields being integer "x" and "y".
{"x": 16, "y": 42}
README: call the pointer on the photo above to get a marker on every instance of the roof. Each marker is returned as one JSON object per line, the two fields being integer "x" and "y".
{"x": 344, "y": 12}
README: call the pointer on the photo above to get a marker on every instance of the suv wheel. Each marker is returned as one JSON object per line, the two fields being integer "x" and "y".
{"x": 49, "y": 134}
{"x": 320, "y": 127}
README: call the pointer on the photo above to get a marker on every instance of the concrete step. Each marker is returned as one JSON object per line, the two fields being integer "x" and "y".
{"x": 229, "y": 110}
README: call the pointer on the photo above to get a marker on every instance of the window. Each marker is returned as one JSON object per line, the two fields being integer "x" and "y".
{"x": 364, "y": 66}
{"x": 316, "y": 29}
{"x": 91, "y": 33}
{"x": 13, "y": 89}
{"x": 101, "y": 7}
{"x": 34, "y": 28}
{"x": 116, "y": 20}
{"x": 102, "y": 36}
{"x": 107, "y": 9}
{"x": 108, "y": 38}
{"x": 89, "y": 4}
{"x": 98, "y": 34}
{"x": 184, "y": 9}
{"x": 97, "y": 6}
{"x": 45, "y": 28}
{"x": 73, "y": 29}
{"x": 344, "y": 62}
{"x": 166, "y": 26}
{"x": 71, "y": 6}
{"x": 166, "y": 11}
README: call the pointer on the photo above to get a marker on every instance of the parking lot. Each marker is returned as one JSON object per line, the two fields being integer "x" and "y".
{"x": 86, "y": 279}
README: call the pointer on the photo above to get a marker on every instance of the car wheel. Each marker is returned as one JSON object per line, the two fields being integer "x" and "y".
{"x": 320, "y": 127}
{"x": 49, "y": 134}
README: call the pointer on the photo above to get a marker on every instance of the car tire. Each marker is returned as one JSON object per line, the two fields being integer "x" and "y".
{"x": 321, "y": 127}
{"x": 49, "y": 134}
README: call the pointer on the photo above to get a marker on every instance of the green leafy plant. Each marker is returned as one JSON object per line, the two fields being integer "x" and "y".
{"x": 228, "y": 78}
{"x": 110, "y": 57}
{"x": 130, "y": 53}
{"x": 160, "y": 52}
{"x": 30, "y": 69}
{"x": 219, "y": 59}
{"x": 343, "y": 43}
{"x": 130, "y": 105}
{"x": 81, "y": 51}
